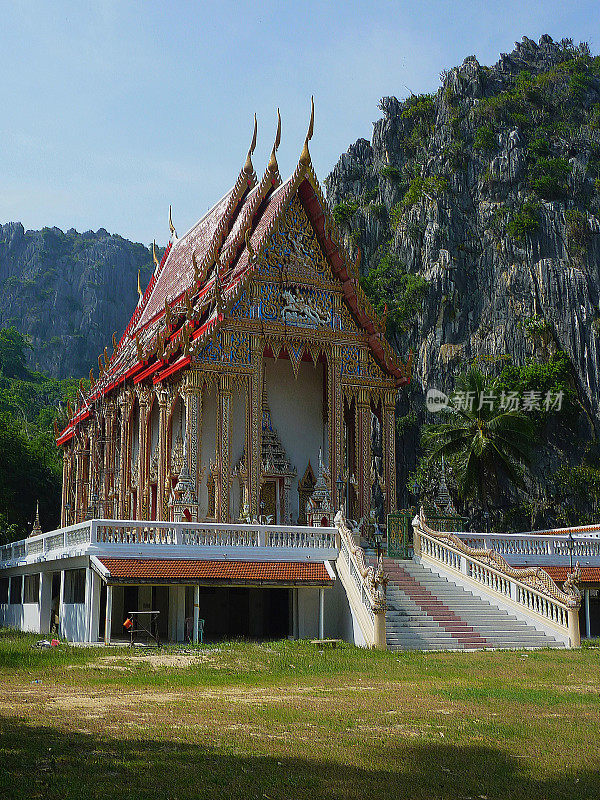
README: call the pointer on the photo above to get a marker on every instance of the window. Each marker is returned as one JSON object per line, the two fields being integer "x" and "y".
{"x": 31, "y": 593}
{"x": 74, "y": 586}
{"x": 3, "y": 591}
{"x": 16, "y": 590}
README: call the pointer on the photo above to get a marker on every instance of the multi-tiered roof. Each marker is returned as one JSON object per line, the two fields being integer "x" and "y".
{"x": 203, "y": 273}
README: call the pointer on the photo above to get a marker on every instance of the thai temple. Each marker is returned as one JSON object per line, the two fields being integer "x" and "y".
{"x": 238, "y": 445}
{"x": 252, "y": 351}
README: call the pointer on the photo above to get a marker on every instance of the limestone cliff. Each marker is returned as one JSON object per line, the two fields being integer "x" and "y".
{"x": 69, "y": 292}
{"x": 487, "y": 193}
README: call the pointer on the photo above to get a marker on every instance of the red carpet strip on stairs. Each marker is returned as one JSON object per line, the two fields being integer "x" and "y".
{"x": 434, "y": 608}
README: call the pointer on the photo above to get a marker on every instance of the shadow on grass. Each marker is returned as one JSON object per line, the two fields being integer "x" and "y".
{"x": 44, "y": 762}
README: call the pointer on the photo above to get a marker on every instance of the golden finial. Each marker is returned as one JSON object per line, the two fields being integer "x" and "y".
{"x": 305, "y": 156}
{"x": 188, "y": 305}
{"x": 248, "y": 167}
{"x": 160, "y": 347}
{"x": 154, "y": 256}
{"x": 171, "y": 226}
{"x": 138, "y": 347}
{"x": 91, "y": 378}
{"x": 69, "y": 409}
{"x": 81, "y": 389}
{"x": 100, "y": 366}
{"x": 106, "y": 357}
{"x": 114, "y": 340}
{"x": 251, "y": 253}
{"x": 185, "y": 338}
{"x": 273, "y": 166}
{"x": 56, "y": 430}
{"x": 140, "y": 293}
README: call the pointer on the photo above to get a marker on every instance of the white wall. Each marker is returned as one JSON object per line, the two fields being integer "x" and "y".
{"x": 72, "y": 622}
{"x": 297, "y": 415}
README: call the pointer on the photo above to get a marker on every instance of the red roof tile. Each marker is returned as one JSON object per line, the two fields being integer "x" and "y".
{"x": 179, "y": 569}
{"x": 588, "y": 574}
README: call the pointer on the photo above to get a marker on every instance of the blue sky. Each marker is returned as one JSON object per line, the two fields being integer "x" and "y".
{"x": 114, "y": 109}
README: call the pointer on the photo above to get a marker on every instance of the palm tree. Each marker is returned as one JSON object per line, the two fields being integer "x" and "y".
{"x": 484, "y": 442}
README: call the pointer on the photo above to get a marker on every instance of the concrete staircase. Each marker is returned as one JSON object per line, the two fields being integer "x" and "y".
{"x": 428, "y": 612}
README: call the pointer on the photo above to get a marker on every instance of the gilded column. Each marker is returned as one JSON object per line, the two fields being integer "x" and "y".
{"x": 254, "y": 425}
{"x": 110, "y": 432}
{"x": 65, "y": 488}
{"x": 336, "y": 418}
{"x": 363, "y": 412}
{"x": 123, "y": 448}
{"x": 78, "y": 483}
{"x": 92, "y": 478}
{"x": 389, "y": 449}
{"x": 143, "y": 498}
{"x": 163, "y": 401}
{"x": 192, "y": 396}
{"x": 223, "y": 446}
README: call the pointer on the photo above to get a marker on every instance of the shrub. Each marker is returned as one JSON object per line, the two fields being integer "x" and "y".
{"x": 403, "y": 293}
{"x": 391, "y": 173}
{"x": 433, "y": 186}
{"x": 548, "y": 177}
{"x": 343, "y": 212}
{"x": 524, "y": 221}
{"x": 485, "y": 139}
{"x": 578, "y": 232}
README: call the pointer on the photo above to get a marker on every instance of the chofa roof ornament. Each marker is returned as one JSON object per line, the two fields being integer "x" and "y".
{"x": 248, "y": 166}
{"x": 273, "y": 165}
{"x": 305, "y": 155}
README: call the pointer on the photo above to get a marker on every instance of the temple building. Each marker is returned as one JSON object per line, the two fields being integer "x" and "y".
{"x": 253, "y": 371}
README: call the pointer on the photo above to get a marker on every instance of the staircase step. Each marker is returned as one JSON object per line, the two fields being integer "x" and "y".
{"x": 428, "y": 612}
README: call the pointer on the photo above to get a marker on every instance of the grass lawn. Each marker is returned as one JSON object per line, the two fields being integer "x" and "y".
{"x": 285, "y": 720}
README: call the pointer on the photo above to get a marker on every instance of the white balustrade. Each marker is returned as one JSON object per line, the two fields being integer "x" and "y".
{"x": 100, "y": 535}
{"x": 476, "y": 557}
{"x": 548, "y": 548}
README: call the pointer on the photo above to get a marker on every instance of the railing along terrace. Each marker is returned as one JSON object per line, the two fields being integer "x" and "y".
{"x": 369, "y": 584}
{"x": 529, "y": 588}
{"x": 548, "y": 547}
{"x": 180, "y": 534}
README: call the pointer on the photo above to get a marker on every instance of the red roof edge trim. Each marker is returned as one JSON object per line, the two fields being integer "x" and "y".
{"x": 140, "y": 307}
{"x": 148, "y": 371}
{"x": 182, "y": 362}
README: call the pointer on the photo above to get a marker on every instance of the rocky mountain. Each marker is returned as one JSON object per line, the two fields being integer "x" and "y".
{"x": 68, "y": 292}
{"x": 477, "y": 211}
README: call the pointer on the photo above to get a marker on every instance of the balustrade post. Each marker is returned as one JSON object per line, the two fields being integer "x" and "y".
{"x": 573, "y": 623}
{"x": 262, "y": 537}
{"x": 380, "y": 641}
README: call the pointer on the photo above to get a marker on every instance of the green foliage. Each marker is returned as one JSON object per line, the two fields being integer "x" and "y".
{"x": 30, "y": 466}
{"x": 391, "y": 173}
{"x": 370, "y": 195}
{"x": 535, "y": 326}
{"x": 548, "y": 177}
{"x": 524, "y": 221}
{"x": 554, "y": 376}
{"x": 487, "y": 444}
{"x": 396, "y": 215}
{"x": 485, "y": 139}
{"x": 578, "y": 231}
{"x": 389, "y": 286}
{"x": 433, "y": 186}
{"x": 12, "y": 352}
{"x": 343, "y": 212}
{"x": 419, "y": 107}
